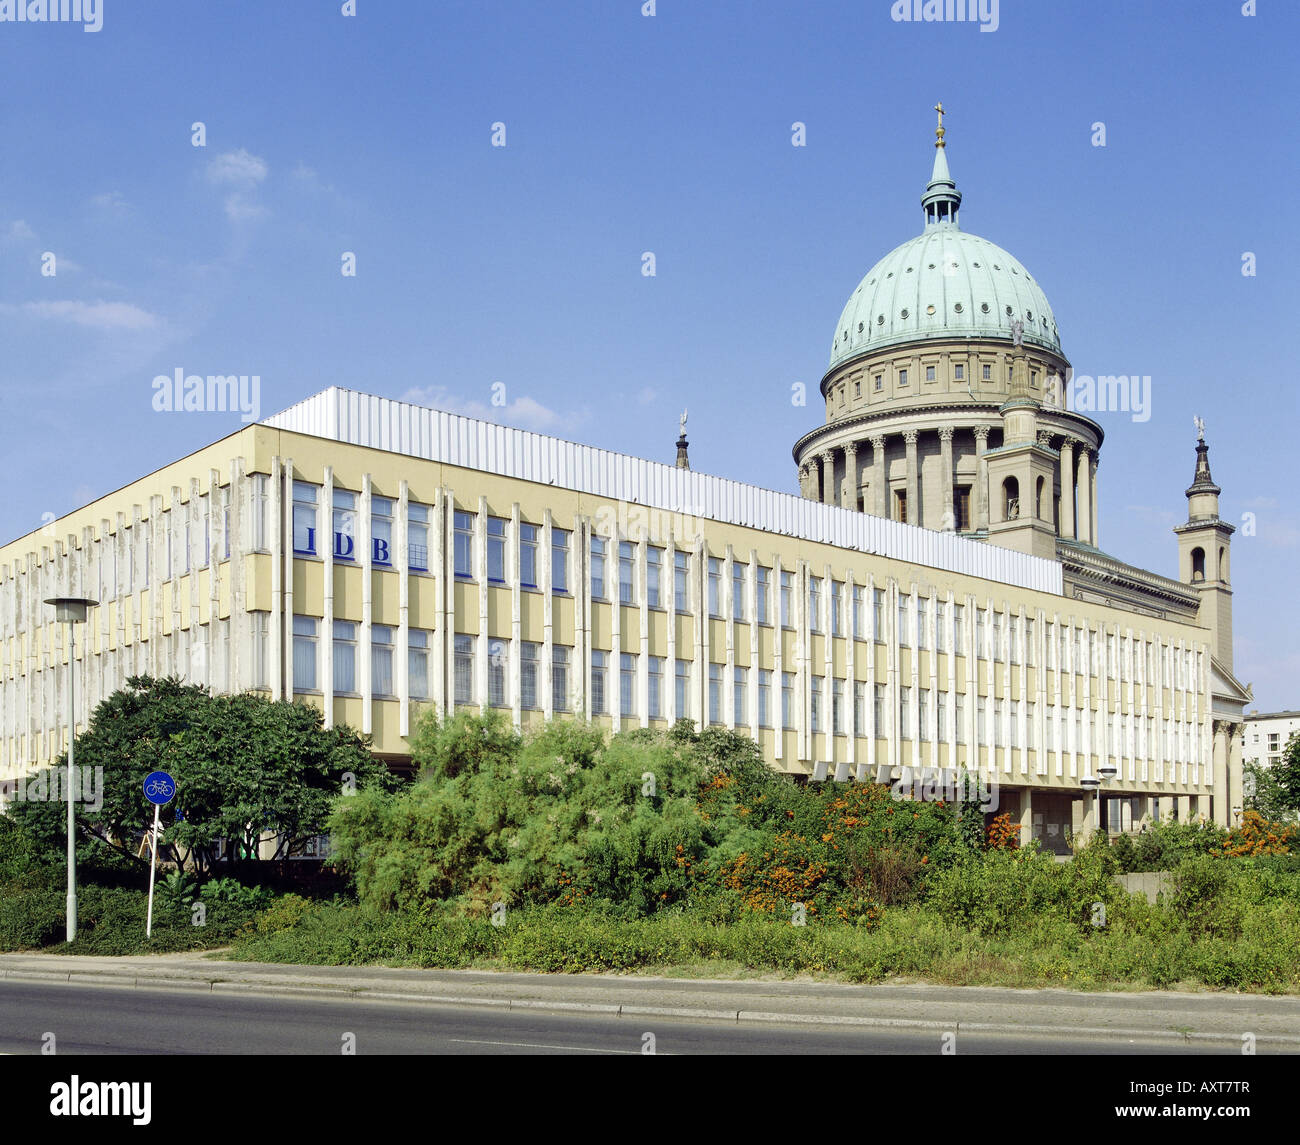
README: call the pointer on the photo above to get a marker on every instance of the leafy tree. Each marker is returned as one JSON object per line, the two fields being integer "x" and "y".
{"x": 1284, "y": 781}
{"x": 243, "y": 765}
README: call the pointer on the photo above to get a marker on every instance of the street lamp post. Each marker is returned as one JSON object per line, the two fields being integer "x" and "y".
{"x": 71, "y": 609}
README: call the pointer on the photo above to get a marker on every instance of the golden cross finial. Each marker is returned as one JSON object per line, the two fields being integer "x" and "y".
{"x": 939, "y": 130}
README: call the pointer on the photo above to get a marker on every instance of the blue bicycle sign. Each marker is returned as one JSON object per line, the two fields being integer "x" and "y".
{"x": 159, "y": 787}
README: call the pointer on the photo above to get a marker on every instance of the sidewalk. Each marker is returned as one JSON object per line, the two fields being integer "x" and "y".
{"x": 1218, "y": 1020}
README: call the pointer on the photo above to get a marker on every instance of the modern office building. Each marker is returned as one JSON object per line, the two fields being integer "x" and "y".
{"x": 934, "y": 599}
{"x": 1267, "y": 734}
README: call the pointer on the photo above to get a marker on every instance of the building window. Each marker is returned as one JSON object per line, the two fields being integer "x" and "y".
{"x": 463, "y": 669}
{"x": 944, "y": 702}
{"x": 923, "y": 624}
{"x": 817, "y": 703}
{"x": 904, "y": 713}
{"x": 715, "y": 587}
{"x": 345, "y": 656}
{"x": 1015, "y": 723}
{"x": 597, "y": 568}
{"x": 961, "y": 509}
{"x": 981, "y": 721}
{"x": 929, "y": 373}
{"x": 527, "y": 555}
{"x": 681, "y": 581}
{"x": 627, "y": 685}
{"x": 858, "y": 603}
{"x": 261, "y": 638}
{"x": 381, "y": 530}
{"x": 715, "y": 693}
{"x": 763, "y": 585}
{"x": 304, "y": 521}
{"x": 815, "y": 603}
{"x": 417, "y": 537}
{"x": 764, "y": 698}
{"x": 837, "y": 706}
{"x": 463, "y": 543}
{"x": 900, "y": 506}
{"x": 904, "y": 621}
{"x": 626, "y": 572}
{"x": 496, "y": 550}
{"x": 528, "y": 676}
{"x": 986, "y": 373}
{"x": 981, "y": 634}
{"x": 381, "y": 660}
{"x": 941, "y": 626}
{"x": 959, "y": 372}
{"x": 999, "y": 625}
{"x": 261, "y": 505}
{"x": 345, "y": 525}
{"x": 654, "y": 564}
{"x": 1030, "y": 741}
{"x": 787, "y": 587}
{"x": 960, "y": 718}
{"x": 902, "y": 377}
{"x": 304, "y": 654}
{"x": 559, "y": 560}
{"x": 740, "y": 697}
{"x": 837, "y": 608}
{"x": 417, "y": 664}
{"x": 683, "y": 685}
{"x": 959, "y": 630}
{"x": 654, "y": 700}
{"x": 498, "y": 656}
{"x": 787, "y": 699}
{"x": 859, "y": 708}
{"x": 878, "y": 710}
{"x": 999, "y": 722}
{"x": 878, "y": 615}
{"x": 599, "y": 663}
{"x": 560, "y": 678}
{"x": 923, "y": 713}
{"x": 738, "y": 571}
{"x": 880, "y": 382}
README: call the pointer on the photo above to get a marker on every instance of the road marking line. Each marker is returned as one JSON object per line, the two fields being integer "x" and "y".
{"x": 540, "y": 1046}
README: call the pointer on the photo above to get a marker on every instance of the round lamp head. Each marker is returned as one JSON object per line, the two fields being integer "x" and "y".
{"x": 1090, "y": 783}
{"x": 70, "y": 607}
{"x": 1108, "y": 771}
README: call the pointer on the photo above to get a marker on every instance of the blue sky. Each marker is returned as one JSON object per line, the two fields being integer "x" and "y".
{"x": 625, "y": 133}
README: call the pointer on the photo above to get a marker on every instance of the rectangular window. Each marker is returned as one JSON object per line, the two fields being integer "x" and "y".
{"x": 878, "y": 615}
{"x": 878, "y": 710}
{"x": 904, "y": 621}
{"x": 982, "y": 721}
{"x": 261, "y": 639}
{"x": 417, "y": 664}
{"x": 958, "y": 372}
{"x": 498, "y": 658}
{"x": 682, "y": 682}
{"x": 999, "y": 625}
{"x": 764, "y": 698}
{"x": 1015, "y": 723}
{"x": 929, "y": 373}
{"x": 981, "y": 634}
{"x": 627, "y": 685}
{"x": 945, "y": 701}
{"x": 345, "y": 656}
{"x": 999, "y": 722}
{"x": 560, "y": 678}
{"x": 417, "y": 537}
{"x": 463, "y": 543}
{"x": 626, "y": 572}
{"x": 986, "y": 373}
{"x": 528, "y": 657}
{"x": 837, "y": 706}
{"x": 880, "y": 382}
{"x": 559, "y": 560}
{"x": 715, "y": 586}
{"x": 261, "y": 506}
{"x": 941, "y": 626}
{"x": 304, "y": 654}
{"x": 859, "y": 600}
{"x": 961, "y": 509}
{"x": 715, "y": 693}
{"x": 763, "y": 587}
{"x": 304, "y": 521}
{"x": 817, "y": 682}
{"x": 681, "y": 581}
{"x": 902, "y": 377}
{"x": 381, "y": 660}
{"x": 904, "y": 713}
{"x": 738, "y": 572}
{"x": 859, "y": 708}
{"x": 959, "y": 630}
{"x": 837, "y": 608}
{"x": 381, "y": 531}
{"x": 527, "y": 555}
{"x": 654, "y": 703}
{"x": 345, "y": 525}
{"x": 922, "y": 623}
{"x": 960, "y": 717}
{"x": 900, "y": 506}
{"x": 1030, "y": 740}
{"x": 815, "y": 603}
{"x": 787, "y": 699}
{"x": 923, "y": 713}
{"x": 740, "y": 697}
{"x": 496, "y": 550}
{"x": 599, "y": 662}
{"x": 1029, "y": 641}
{"x": 597, "y": 568}
{"x": 654, "y": 565}
{"x": 787, "y": 587}
{"x": 463, "y": 665}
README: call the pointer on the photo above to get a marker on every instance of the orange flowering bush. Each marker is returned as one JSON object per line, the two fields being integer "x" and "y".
{"x": 1004, "y": 835}
{"x": 1257, "y": 836}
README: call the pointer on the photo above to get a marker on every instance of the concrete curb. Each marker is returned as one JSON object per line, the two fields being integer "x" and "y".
{"x": 209, "y": 984}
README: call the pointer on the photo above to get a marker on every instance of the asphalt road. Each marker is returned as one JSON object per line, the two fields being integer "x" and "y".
{"x": 111, "y": 1020}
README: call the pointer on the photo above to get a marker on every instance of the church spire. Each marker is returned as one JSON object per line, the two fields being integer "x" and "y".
{"x": 941, "y": 198}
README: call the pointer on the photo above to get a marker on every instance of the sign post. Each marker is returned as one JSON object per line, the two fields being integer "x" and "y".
{"x": 159, "y": 788}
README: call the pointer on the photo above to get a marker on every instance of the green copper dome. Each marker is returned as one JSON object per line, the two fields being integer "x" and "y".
{"x": 945, "y": 283}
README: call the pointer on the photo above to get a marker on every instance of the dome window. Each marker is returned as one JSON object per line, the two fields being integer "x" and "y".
{"x": 903, "y": 313}
{"x": 975, "y": 265}
{"x": 929, "y": 309}
{"x": 1029, "y": 315}
{"x": 1009, "y": 311}
{"x": 957, "y": 307}
{"x": 890, "y": 274}
{"x": 996, "y": 267}
{"x": 930, "y": 266}
{"x": 1014, "y": 270}
{"x": 954, "y": 266}
{"x": 880, "y": 319}
{"x": 984, "y": 307}
{"x": 859, "y": 327}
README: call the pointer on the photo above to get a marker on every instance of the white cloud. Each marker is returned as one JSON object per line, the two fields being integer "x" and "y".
{"x": 238, "y": 167}
{"x": 109, "y": 201}
{"x": 525, "y": 412}
{"x": 96, "y": 315}
{"x": 646, "y": 396}
{"x": 18, "y": 231}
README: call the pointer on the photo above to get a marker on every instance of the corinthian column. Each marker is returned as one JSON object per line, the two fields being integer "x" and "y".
{"x": 945, "y": 448}
{"x": 1096, "y": 461}
{"x": 913, "y": 502}
{"x": 849, "y": 491}
{"x": 878, "y": 475}
{"x": 981, "y": 478}
{"x": 1067, "y": 487}
{"x": 828, "y": 477}
{"x": 1084, "y": 526}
